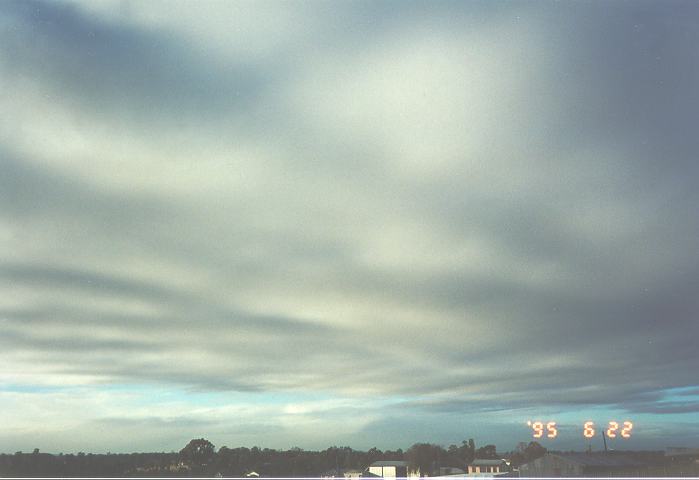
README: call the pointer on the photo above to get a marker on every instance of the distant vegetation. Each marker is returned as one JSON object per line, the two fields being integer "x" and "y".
{"x": 200, "y": 458}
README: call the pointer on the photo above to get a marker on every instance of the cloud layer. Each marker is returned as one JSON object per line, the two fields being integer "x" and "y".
{"x": 442, "y": 211}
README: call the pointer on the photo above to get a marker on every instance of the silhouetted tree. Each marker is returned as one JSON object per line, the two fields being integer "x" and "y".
{"x": 466, "y": 452}
{"x": 426, "y": 457}
{"x": 198, "y": 454}
{"x": 533, "y": 451}
{"x": 527, "y": 452}
{"x": 487, "y": 452}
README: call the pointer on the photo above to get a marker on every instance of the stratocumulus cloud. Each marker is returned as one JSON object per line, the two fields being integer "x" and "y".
{"x": 358, "y": 214}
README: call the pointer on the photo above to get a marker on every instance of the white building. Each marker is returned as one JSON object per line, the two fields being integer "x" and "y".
{"x": 389, "y": 468}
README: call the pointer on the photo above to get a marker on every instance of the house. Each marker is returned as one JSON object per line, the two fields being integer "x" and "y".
{"x": 389, "y": 468}
{"x": 587, "y": 464}
{"x": 480, "y": 465}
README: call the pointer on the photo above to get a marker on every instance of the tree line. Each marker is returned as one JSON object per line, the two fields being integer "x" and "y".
{"x": 200, "y": 458}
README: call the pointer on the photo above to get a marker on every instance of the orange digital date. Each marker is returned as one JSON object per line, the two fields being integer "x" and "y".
{"x": 550, "y": 430}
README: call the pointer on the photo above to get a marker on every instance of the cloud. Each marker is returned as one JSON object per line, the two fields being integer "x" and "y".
{"x": 471, "y": 209}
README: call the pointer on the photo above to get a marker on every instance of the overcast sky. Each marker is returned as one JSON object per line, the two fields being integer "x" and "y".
{"x": 347, "y": 223}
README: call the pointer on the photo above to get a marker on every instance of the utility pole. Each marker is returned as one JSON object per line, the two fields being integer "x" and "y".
{"x": 604, "y": 437}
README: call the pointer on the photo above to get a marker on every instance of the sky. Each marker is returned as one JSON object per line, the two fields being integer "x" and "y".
{"x": 347, "y": 223}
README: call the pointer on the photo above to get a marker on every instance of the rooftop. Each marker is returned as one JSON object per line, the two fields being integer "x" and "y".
{"x": 486, "y": 462}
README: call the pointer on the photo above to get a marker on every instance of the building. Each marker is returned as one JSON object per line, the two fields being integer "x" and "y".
{"x": 389, "y": 468}
{"x": 480, "y": 465}
{"x": 593, "y": 464}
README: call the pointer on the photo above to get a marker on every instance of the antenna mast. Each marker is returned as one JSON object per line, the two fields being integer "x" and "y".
{"x": 604, "y": 437}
